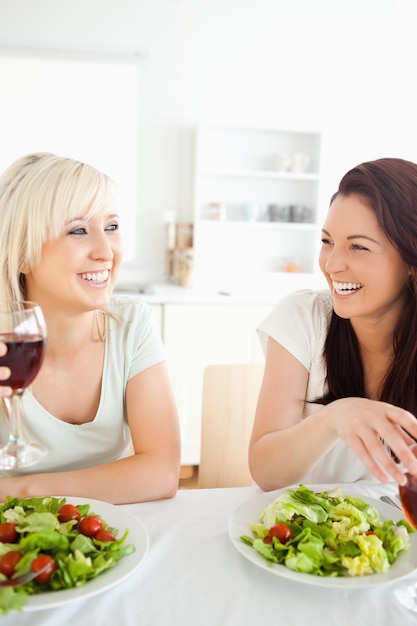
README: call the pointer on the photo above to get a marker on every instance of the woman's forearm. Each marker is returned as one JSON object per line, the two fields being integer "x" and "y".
{"x": 283, "y": 457}
{"x": 136, "y": 478}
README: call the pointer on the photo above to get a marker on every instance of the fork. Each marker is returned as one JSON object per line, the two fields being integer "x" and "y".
{"x": 389, "y": 500}
{"x": 21, "y": 580}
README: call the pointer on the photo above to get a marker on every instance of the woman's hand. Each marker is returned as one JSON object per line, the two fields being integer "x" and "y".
{"x": 369, "y": 427}
{"x": 4, "y": 374}
{"x": 286, "y": 444}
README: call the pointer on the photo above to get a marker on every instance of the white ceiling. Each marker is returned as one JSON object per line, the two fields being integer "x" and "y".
{"x": 109, "y": 26}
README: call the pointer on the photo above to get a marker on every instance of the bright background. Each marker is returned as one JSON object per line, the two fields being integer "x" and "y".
{"x": 344, "y": 67}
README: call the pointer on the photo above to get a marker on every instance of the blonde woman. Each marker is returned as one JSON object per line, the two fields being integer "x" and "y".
{"x": 103, "y": 388}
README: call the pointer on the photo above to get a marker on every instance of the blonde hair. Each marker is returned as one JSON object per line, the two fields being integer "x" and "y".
{"x": 39, "y": 194}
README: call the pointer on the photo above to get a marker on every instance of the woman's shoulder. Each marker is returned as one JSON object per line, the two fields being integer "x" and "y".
{"x": 126, "y": 304}
{"x": 300, "y": 310}
{"x": 129, "y": 311}
{"x": 299, "y": 323}
{"x": 308, "y": 300}
{"x": 129, "y": 299}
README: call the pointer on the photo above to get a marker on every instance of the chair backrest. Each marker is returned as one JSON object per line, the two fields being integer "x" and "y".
{"x": 230, "y": 394}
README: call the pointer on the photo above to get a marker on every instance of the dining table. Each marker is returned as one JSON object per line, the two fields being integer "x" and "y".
{"x": 192, "y": 574}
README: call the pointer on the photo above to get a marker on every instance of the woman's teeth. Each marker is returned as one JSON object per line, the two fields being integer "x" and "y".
{"x": 97, "y": 277}
{"x": 344, "y": 289}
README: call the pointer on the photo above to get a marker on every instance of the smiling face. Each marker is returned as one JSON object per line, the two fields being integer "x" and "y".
{"x": 78, "y": 270}
{"x": 366, "y": 274}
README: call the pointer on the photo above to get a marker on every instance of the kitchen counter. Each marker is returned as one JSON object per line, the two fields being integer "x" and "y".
{"x": 248, "y": 292}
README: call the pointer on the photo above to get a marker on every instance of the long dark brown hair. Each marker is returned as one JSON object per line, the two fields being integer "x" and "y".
{"x": 389, "y": 187}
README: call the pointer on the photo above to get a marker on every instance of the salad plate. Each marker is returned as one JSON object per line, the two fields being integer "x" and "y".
{"x": 250, "y": 511}
{"x": 118, "y": 518}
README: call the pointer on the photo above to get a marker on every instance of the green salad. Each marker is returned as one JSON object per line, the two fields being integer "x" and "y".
{"x": 327, "y": 534}
{"x": 70, "y": 544}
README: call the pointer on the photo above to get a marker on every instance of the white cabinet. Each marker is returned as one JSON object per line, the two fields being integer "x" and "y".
{"x": 256, "y": 204}
{"x": 197, "y": 335}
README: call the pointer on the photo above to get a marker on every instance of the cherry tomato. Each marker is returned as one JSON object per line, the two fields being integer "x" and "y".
{"x": 281, "y": 531}
{"x": 8, "y": 562}
{"x": 8, "y": 532}
{"x": 90, "y": 526}
{"x": 39, "y": 563}
{"x": 68, "y": 512}
{"x": 105, "y": 535}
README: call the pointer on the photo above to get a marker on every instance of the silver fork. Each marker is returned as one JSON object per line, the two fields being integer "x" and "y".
{"x": 389, "y": 500}
{"x": 21, "y": 580}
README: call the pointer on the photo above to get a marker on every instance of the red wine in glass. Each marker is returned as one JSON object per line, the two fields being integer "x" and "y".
{"x": 407, "y": 594}
{"x": 23, "y": 329}
{"x": 24, "y": 358}
{"x": 408, "y": 497}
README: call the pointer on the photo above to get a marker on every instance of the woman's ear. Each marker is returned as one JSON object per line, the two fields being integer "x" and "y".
{"x": 24, "y": 269}
{"x": 412, "y": 273}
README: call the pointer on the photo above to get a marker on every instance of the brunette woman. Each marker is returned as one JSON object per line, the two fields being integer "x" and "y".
{"x": 339, "y": 396}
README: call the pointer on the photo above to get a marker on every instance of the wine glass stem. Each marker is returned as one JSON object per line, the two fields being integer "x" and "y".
{"x": 15, "y": 408}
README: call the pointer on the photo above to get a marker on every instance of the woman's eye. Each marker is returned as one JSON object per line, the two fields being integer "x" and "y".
{"x": 113, "y": 227}
{"x": 78, "y": 231}
{"x": 357, "y": 246}
{"x": 325, "y": 241}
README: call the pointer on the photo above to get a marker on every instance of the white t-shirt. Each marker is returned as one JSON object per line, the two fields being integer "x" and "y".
{"x": 132, "y": 344}
{"x": 299, "y": 322}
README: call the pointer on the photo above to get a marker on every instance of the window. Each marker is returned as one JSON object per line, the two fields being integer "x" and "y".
{"x": 83, "y": 108}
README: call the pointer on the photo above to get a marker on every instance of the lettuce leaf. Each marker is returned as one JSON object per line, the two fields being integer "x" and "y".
{"x": 303, "y": 502}
{"x": 332, "y": 534}
{"x": 78, "y": 558}
{"x": 12, "y": 599}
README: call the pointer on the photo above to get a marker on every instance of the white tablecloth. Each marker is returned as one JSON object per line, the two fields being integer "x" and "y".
{"x": 193, "y": 575}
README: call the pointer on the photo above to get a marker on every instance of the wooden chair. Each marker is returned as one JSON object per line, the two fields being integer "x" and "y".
{"x": 230, "y": 394}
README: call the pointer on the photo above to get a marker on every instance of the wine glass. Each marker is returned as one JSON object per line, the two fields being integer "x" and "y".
{"x": 407, "y": 594}
{"x": 23, "y": 329}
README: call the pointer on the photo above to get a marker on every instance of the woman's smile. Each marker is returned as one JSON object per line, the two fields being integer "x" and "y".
{"x": 346, "y": 289}
{"x": 98, "y": 279}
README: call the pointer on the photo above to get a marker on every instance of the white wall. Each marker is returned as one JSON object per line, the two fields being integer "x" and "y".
{"x": 65, "y": 106}
{"x": 345, "y": 67}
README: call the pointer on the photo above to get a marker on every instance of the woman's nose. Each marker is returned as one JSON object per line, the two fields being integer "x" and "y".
{"x": 335, "y": 261}
{"x": 102, "y": 248}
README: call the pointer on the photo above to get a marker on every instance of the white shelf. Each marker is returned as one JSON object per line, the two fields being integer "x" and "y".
{"x": 234, "y": 170}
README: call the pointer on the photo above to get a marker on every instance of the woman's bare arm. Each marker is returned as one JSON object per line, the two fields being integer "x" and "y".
{"x": 151, "y": 473}
{"x": 284, "y": 447}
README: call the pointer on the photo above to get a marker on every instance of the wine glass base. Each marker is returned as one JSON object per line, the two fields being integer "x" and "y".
{"x": 16, "y": 455}
{"x": 407, "y": 596}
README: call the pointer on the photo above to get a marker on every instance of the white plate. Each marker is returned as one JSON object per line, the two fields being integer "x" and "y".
{"x": 117, "y": 518}
{"x": 249, "y": 511}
